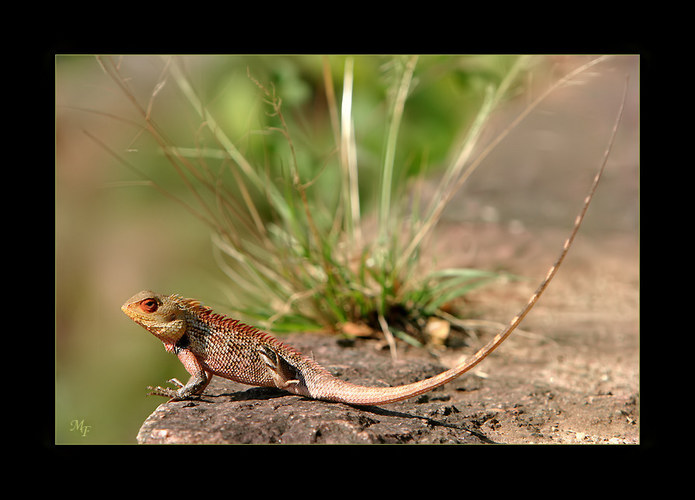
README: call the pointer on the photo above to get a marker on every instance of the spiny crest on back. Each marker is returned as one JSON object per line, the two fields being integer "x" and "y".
{"x": 191, "y": 305}
{"x": 207, "y": 314}
{"x": 242, "y": 328}
{"x": 194, "y": 306}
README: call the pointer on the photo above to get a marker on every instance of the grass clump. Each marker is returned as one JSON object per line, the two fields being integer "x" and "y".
{"x": 317, "y": 226}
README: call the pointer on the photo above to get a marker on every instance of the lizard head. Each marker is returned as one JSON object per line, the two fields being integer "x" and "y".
{"x": 161, "y": 315}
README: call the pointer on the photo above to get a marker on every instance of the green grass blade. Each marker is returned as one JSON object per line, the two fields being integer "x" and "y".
{"x": 385, "y": 221}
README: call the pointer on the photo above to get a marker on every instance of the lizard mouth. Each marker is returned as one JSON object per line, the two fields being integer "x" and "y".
{"x": 126, "y": 309}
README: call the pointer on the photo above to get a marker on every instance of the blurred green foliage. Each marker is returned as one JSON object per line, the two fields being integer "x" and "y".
{"x": 445, "y": 95}
{"x": 96, "y": 374}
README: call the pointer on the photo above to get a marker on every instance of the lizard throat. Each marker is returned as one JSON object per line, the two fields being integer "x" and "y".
{"x": 170, "y": 332}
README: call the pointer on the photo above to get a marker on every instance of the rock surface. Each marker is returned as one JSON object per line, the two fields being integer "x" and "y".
{"x": 514, "y": 405}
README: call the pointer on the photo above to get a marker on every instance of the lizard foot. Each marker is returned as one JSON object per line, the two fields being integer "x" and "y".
{"x": 162, "y": 391}
{"x": 165, "y": 391}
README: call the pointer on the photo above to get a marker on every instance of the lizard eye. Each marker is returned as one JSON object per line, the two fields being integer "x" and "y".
{"x": 149, "y": 305}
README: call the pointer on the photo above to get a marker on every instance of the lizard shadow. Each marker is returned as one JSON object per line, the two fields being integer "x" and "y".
{"x": 378, "y": 410}
{"x": 267, "y": 393}
{"x": 251, "y": 394}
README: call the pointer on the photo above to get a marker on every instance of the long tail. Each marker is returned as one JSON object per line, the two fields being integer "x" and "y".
{"x": 349, "y": 393}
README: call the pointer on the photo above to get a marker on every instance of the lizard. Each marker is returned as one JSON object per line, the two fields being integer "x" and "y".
{"x": 209, "y": 344}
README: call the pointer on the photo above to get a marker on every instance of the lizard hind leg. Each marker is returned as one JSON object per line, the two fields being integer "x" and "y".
{"x": 285, "y": 375}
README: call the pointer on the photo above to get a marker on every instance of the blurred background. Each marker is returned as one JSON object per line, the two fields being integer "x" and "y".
{"x": 115, "y": 235}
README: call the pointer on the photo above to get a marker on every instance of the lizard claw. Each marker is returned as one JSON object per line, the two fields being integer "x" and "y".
{"x": 176, "y": 382}
{"x": 163, "y": 391}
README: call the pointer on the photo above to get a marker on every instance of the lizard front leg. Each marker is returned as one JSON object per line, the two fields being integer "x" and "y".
{"x": 200, "y": 378}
